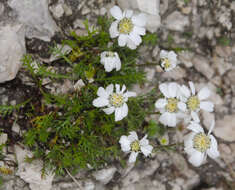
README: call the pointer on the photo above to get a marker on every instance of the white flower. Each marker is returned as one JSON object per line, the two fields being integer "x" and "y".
{"x": 170, "y": 107}
{"x": 110, "y": 60}
{"x": 114, "y": 101}
{"x": 198, "y": 145}
{"x": 127, "y": 27}
{"x": 194, "y": 101}
{"x": 168, "y": 60}
{"x": 132, "y": 144}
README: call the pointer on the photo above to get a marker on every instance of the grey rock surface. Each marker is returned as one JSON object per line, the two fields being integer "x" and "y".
{"x": 11, "y": 50}
{"x": 36, "y": 17}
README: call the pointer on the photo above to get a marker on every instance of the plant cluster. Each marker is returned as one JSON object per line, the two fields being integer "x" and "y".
{"x": 86, "y": 126}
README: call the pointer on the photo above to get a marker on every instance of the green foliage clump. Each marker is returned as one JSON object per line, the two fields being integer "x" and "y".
{"x": 66, "y": 130}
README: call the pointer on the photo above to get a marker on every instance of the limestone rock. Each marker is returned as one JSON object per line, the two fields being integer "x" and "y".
{"x": 225, "y": 128}
{"x": 35, "y": 15}
{"x": 231, "y": 76}
{"x": 202, "y": 65}
{"x": 31, "y": 172}
{"x": 105, "y": 175}
{"x": 176, "y": 21}
{"x": 11, "y": 50}
{"x": 176, "y": 74}
{"x": 3, "y": 138}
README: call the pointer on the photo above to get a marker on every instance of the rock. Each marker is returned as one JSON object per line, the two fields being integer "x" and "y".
{"x": 1, "y": 8}
{"x": 156, "y": 51}
{"x": 68, "y": 11}
{"x": 16, "y": 128}
{"x": 3, "y": 138}
{"x": 57, "y": 10}
{"x": 202, "y": 65}
{"x": 150, "y": 8}
{"x": 150, "y": 72}
{"x": 231, "y": 76}
{"x": 224, "y": 17}
{"x": 78, "y": 23}
{"x": 79, "y": 84}
{"x": 176, "y": 21}
{"x": 31, "y": 172}
{"x": 185, "y": 57}
{"x": 176, "y": 74}
{"x": 105, "y": 175}
{"x": 11, "y": 50}
{"x": 221, "y": 65}
{"x": 225, "y": 128}
{"x": 35, "y": 15}
{"x": 223, "y": 51}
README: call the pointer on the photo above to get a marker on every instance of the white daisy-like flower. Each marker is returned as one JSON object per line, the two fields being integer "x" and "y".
{"x": 114, "y": 101}
{"x": 127, "y": 27}
{"x": 132, "y": 144}
{"x": 172, "y": 109}
{"x": 168, "y": 60}
{"x": 110, "y": 60}
{"x": 198, "y": 144}
{"x": 196, "y": 102}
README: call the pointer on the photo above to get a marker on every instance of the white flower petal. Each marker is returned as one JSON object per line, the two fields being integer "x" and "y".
{"x": 182, "y": 106}
{"x": 185, "y": 91}
{"x": 135, "y": 38}
{"x": 172, "y": 56}
{"x": 195, "y": 117}
{"x": 197, "y": 158}
{"x": 128, "y": 13}
{"x": 130, "y": 94}
{"x": 133, "y": 136}
{"x": 109, "y": 110}
{"x": 116, "y": 12}
{"x": 118, "y": 114}
{"x": 133, "y": 157}
{"x": 192, "y": 87}
{"x": 109, "y": 66}
{"x": 102, "y": 93}
{"x": 109, "y": 89}
{"x": 161, "y": 103}
{"x": 146, "y": 150}
{"x": 100, "y": 102}
{"x": 124, "y": 110}
{"x": 117, "y": 86}
{"x": 122, "y": 40}
{"x": 144, "y": 141}
{"x": 207, "y": 106}
{"x": 123, "y": 88}
{"x": 211, "y": 127}
{"x": 204, "y": 93}
{"x": 168, "y": 119}
{"x": 163, "y": 54}
{"x": 213, "y": 150}
{"x": 131, "y": 44}
{"x": 164, "y": 89}
{"x": 125, "y": 143}
{"x": 139, "y": 30}
{"x": 139, "y": 20}
{"x": 113, "y": 30}
{"x": 195, "y": 127}
{"x": 172, "y": 89}
{"x": 118, "y": 64}
{"x": 188, "y": 140}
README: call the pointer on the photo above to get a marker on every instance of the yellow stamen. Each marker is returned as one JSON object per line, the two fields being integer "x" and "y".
{"x": 167, "y": 63}
{"x": 201, "y": 142}
{"x": 193, "y": 103}
{"x": 110, "y": 54}
{"x": 171, "y": 105}
{"x": 135, "y": 146}
{"x": 125, "y": 26}
{"x": 116, "y": 100}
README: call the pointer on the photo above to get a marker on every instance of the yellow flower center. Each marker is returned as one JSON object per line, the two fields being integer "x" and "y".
{"x": 135, "y": 146}
{"x": 163, "y": 141}
{"x": 171, "y": 105}
{"x": 167, "y": 63}
{"x": 110, "y": 54}
{"x": 125, "y": 26}
{"x": 201, "y": 142}
{"x": 116, "y": 100}
{"x": 193, "y": 103}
